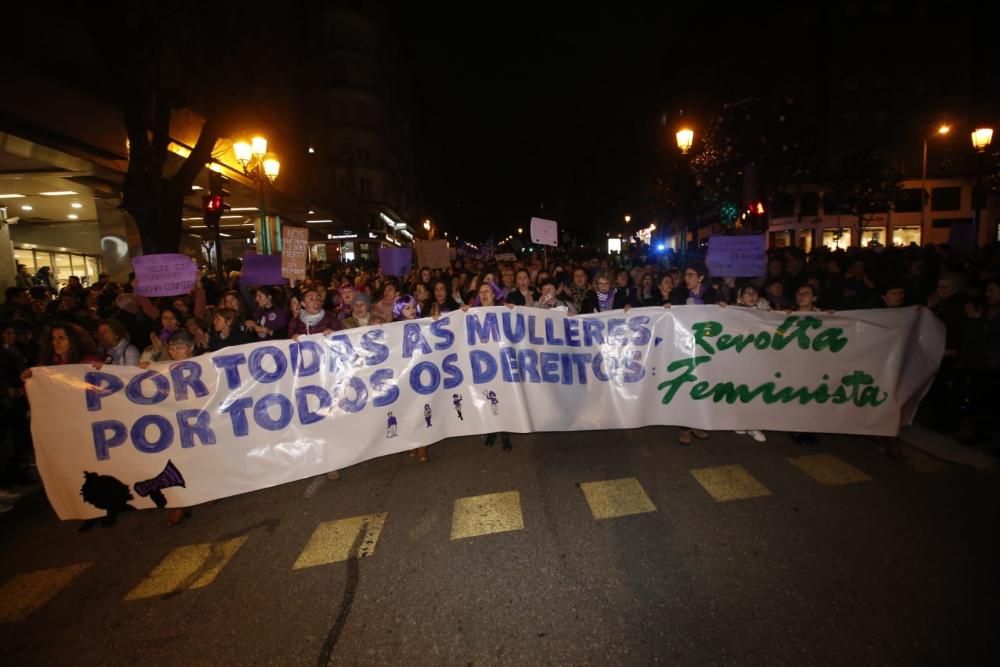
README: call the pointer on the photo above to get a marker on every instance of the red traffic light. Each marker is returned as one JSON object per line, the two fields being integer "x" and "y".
{"x": 212, "y": 203}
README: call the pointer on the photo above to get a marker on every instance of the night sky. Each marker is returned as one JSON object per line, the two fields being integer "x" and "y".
{"x": 563, "y": 112}
{"x": 522, "y": 111}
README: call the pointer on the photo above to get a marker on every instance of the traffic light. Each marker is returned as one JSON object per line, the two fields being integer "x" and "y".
{"x": 214, "y": 203}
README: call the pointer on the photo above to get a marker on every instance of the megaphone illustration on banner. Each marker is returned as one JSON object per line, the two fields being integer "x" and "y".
{"x": 153, "y": 488}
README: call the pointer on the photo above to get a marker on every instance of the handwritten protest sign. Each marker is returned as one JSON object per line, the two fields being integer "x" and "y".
{"x": 252, "y": 416}
{"x": 433, "y": 254}
{"x": 544, "y": 232}
{"x": 294, "y": 252}
{"x": 262, "y": 270}
{"x": 395, "y": 261}
{"x": 737, "y": 256}
{"x": 167, "y": 274}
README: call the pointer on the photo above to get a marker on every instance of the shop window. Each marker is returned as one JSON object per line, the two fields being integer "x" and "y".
{"x": 806, "y": 240}
{"x": 26, "y": 257}
{"x": 872, "y": 235}
{"x": 62, "y": 267}
{"x": 781, "y": 239}
{"x": 837, "y": 239}
{"x": 903, "y": 236}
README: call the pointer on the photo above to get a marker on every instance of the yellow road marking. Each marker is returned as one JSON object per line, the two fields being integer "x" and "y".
{"x": 729, "y": 483}
{"x": 27, "y": 592}
{"x": 184, "y": 568}
{"x": 828, "y": 470}
{"x": 490, "y": 513}
{"x": 921, "y": 462}
{"x": 332, "y": 541}
{"x": 616, "y": 497}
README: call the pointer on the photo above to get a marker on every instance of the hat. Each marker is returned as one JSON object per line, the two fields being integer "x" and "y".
{"x": 361, "y": 297}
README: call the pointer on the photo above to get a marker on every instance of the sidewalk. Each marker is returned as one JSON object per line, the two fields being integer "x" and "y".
{"x": 946, "y": 448}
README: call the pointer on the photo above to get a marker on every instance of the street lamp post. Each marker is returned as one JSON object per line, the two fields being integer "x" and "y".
{"x": 685, "y": 139}
{"x": 981, "y": 139}
{"x": 263, "y": 169}
{"x": 942, "y": 130}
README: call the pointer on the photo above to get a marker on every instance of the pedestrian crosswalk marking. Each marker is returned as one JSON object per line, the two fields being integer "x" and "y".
{"x": 616, "y": 497}
{"x": 828, "y": 470}
{"x": 184, "y": 568}
{"x": 490, "y": 513}
{"x": 27, "y": 592}
{"x": 921, "y": 462}
{"x": 333, "y": 541}
{"x": 731, "y": 482}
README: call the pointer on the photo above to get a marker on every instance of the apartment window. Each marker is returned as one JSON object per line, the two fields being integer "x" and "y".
{"x": 809, "y": 204}
{"x": 365, "y": 185}
{"x": 946, "y": 199}
{"x": 908, "y": 201}
{"x": 782, "y": 206}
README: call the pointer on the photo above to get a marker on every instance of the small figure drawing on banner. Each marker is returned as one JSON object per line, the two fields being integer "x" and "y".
{"x": 491, "y": 396}
{"x": 427, "y": 414}
{"x": 390, "y": 427}
{"x": 456, "y": 400}
{"x": 106, "y": 493}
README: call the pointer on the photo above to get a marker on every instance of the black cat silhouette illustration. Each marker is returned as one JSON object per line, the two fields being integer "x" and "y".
{"x": 107, "y": 493}
{"x": 153, "y": 488}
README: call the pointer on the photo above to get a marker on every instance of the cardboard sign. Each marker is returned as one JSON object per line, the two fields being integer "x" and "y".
{"x": 544, "y": 232}
{"x": 294, "y": 252}
{"x": 433, "y": 254}
{"x": 164, "y": 275}
{"x": 395, "y": 261}
{"x": 262, "y": 270}
{"x": 737, "y": 256}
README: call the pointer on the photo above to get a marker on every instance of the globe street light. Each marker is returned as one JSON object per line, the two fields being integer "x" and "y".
{"x": 981, "y": 139}
{"x": 685, "y": 139}
{"x": 261, "y": 168}
{"x": 941, "y": 131}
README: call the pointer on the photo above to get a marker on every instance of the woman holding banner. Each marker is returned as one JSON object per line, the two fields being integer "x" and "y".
{"x": 312, "y": 318}
{"x": 269, "y": 319}
{"x": 487, "y": 297}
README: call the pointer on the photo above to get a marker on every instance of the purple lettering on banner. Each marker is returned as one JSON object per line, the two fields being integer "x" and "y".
{"x": 167, "y": 274}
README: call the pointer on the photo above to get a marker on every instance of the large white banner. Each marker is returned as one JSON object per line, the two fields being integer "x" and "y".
{"x": 254, "y": 416}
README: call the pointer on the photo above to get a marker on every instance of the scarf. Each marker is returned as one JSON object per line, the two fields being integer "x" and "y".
{"x": 604, "y": 301}
{"x": 311, "y": 320}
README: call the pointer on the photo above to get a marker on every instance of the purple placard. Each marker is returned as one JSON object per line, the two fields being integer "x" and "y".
{"x": 395, "y": 261}
{"x": 167, "y": 274}
{"x": 262, "y": 270}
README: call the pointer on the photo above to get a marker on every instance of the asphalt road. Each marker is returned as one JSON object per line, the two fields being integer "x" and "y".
{"x": 727, "y": 552}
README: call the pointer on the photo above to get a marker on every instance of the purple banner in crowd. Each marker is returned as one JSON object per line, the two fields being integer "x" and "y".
{"x": 395, "y": 261}
{"x": 164, "y": 274}
{"x": 262, "y": 270}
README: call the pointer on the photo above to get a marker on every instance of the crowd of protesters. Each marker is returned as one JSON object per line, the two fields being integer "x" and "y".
{"x": 108, "y": 323}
